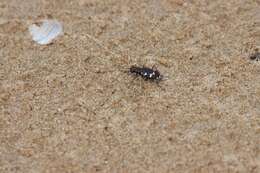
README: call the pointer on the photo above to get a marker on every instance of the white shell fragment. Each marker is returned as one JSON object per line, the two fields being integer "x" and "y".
{"x": 45, "y": 33}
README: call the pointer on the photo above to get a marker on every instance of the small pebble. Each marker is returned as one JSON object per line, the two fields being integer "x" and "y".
{"x": 45, "y": 33}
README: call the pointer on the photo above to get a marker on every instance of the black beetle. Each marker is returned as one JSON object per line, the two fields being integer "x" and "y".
{"x": 147, "y": 73}
{"x": 255, "y": 56}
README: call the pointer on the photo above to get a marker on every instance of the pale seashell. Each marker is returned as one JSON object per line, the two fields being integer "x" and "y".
{"x": 45, "y": 33}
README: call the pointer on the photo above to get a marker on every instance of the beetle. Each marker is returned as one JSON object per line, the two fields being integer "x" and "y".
{"x": 146, "y": 73}
{"x": 255, "y": 56}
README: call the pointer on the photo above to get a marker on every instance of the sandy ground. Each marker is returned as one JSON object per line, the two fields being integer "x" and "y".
{"x": 71, "y": 106}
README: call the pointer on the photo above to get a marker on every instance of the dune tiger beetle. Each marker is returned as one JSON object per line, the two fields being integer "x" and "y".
{"x": 255, "y": 56}
{"x": 147, "y": 73}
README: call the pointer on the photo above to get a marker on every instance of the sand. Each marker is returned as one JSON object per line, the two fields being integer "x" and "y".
{"x": 72, "y": 107}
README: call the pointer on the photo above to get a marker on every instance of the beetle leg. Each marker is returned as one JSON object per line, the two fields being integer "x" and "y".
{"x": 154, "y": 67}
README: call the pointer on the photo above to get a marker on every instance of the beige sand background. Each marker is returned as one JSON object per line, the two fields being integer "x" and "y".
{"x": 70, "y": 106}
